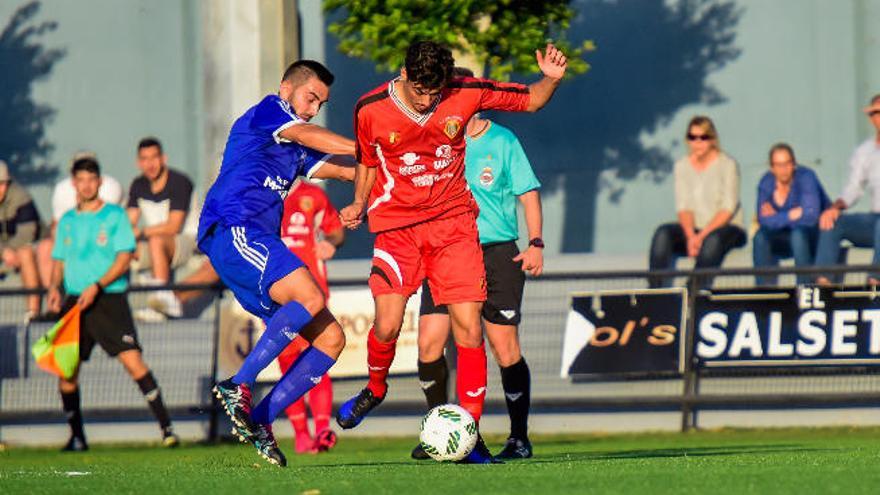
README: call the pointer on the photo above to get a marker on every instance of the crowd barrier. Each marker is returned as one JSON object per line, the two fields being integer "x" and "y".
{"x": 689, "y": 366}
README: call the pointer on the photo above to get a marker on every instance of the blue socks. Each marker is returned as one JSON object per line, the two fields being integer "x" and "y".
{"x": 283, "y": 327}
{"x": 305, "y": 373}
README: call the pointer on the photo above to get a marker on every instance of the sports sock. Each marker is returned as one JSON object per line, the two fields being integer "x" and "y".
{"x": 471, "y": 379}
{"x": 296, "y": 413}
{"x": 283, "y": 327}
{"x": 153, "y": 395}
{"x": 517, "y": 381}
{"x": 433, "y": 378}
{"x": 321, "y": 403}
{"x": 379, "y": 358}
{"x": 299, "y": 379}
{"x": 71, "y": 403}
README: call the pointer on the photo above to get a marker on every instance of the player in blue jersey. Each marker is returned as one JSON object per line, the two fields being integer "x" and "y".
{"x": 239, "y": 229}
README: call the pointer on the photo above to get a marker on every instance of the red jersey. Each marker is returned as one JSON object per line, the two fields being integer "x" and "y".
{"x": 308, "y": 210}
{"x": 421, "y": 156}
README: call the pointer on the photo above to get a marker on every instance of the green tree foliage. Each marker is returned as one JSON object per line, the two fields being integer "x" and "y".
{"x": 501, "y": 34}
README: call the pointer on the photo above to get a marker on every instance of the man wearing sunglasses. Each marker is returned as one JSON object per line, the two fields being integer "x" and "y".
{"x": 861, "y": 229}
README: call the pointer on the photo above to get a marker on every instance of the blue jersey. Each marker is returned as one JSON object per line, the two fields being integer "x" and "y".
{"x": 258, "y": 168}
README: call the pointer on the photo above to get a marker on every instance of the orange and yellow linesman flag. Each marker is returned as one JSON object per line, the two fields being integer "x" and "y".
{"x": 58, "y": 351}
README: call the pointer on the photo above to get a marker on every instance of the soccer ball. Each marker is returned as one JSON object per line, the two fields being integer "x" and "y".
{"x": 448, "y": 433}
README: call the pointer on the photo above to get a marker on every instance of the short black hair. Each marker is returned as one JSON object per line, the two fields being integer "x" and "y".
{"x": 149, "y": 142}
{"x": 86, "y": 164}
{"x": 301, "y": 70}
{"x": 781, "y": 147}
{"x": 462, "y": 72}
{"x": 428, "y": 64}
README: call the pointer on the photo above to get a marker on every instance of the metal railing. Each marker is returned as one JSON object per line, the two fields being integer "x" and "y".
{"x": 183, "y": 354}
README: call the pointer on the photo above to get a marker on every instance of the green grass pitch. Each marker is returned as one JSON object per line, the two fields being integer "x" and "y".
{"x": 797, "y": 461}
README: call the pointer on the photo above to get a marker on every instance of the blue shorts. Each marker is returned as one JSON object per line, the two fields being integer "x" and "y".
{"x": 249, "y": 261}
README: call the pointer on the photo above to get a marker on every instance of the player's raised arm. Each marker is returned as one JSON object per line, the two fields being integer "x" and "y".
{"x": 339, "y": 167}
{"x": 552, "y": 64}
{"x": 353, "y": 214}
{"x": 319, "y": 138}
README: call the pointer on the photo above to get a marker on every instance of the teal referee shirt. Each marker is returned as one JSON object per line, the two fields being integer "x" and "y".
{"x": 497, "y": 170}
{"x": 87, "y": 242}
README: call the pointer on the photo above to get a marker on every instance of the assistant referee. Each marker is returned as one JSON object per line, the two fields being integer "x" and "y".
{"x": 94, "y": 243}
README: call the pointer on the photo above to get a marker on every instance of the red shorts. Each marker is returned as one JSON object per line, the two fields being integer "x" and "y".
{"x": 446, "y": 251}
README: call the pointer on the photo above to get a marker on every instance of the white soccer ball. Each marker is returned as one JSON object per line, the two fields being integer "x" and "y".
{"x": 448, "y": 433}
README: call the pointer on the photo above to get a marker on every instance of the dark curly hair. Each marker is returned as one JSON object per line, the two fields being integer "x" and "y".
{"x": 428, "y": 64}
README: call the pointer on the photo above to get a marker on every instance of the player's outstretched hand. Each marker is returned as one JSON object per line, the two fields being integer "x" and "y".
{"x": 552, "y": 62}
{"x": 352, "y": 215}
{"x": 532, "y": 260}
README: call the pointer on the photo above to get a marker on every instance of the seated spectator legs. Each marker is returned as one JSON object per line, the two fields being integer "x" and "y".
{"x": 667, "y": 244}
{"x": 203, "y": 276}
{"x": 24, "y": 260}
{"x": 162, "y": 250}
{"x": 715, "y": 247}
{"x": 44, "y": 260}
{"x": 803, "y": 246}
{"x": 161, "y": 253}
{"x": 764, "y": 255}
{"x": 771, "y": 245}
{"x": 858, "y": 228}
{"x": 172, "y": 303}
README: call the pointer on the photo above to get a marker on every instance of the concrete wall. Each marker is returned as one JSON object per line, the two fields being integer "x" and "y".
{"x": 125, "y": 70}
{"x": 111, "y": 72}
{"x": 765, "y": 71}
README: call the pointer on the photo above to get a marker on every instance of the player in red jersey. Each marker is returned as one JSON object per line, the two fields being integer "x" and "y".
{"x": 308, "y": 212}
{"x": 410, "y": 180}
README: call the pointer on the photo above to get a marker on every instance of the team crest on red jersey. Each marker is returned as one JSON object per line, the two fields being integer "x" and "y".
{"x": 306, "y": 204}
{"x": 393, "y": 137}
{"x": 452, "y": 126}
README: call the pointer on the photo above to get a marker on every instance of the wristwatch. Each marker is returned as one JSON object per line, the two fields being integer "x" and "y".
{"x": 537, "y": 242}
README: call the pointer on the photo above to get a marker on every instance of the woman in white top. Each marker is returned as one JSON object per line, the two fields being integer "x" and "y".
{"x": 707, "y": 202}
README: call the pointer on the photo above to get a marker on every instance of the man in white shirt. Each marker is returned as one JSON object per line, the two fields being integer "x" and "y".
{"x": 63, "y": 199}
{"x": 861, "y": 229}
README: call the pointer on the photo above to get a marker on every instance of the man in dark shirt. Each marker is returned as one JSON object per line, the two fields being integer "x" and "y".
{"x": 160, "y": 201}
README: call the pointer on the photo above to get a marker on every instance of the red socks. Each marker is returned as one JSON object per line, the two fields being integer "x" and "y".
{"x": 321, "y": 402}
{"x": 296, "y": 413}
{"x": 470, "y": 379}
{"x": 379, "y": 358}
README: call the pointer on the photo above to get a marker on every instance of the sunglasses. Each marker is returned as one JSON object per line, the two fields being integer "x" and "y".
{"x": 699, "y": 137}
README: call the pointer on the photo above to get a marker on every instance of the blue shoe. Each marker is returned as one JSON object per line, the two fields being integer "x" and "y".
{"x": 356, "y": 409}
{"x": 480, "y": 454}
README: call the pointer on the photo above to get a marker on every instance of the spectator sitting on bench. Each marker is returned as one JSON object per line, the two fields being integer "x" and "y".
{"x": 790, "y": 199}
{"x": 20, "y": 228}
{"x": 707, "y": 201}
{"x": 160, "y": 198}
{"x": 861, "y": 229}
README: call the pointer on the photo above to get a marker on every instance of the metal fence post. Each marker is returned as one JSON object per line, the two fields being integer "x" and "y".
{"x": 213, "y": 422}
{"x": 690, "y": 374}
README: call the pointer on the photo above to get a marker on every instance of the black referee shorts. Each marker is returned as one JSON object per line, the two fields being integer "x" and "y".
{"x": 107, "y": 322}
{"x": 505, "y": 281}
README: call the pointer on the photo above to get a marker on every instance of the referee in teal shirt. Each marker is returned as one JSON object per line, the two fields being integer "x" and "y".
{"x": 498, "y": 173}
{"x": 94, "y": 243}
